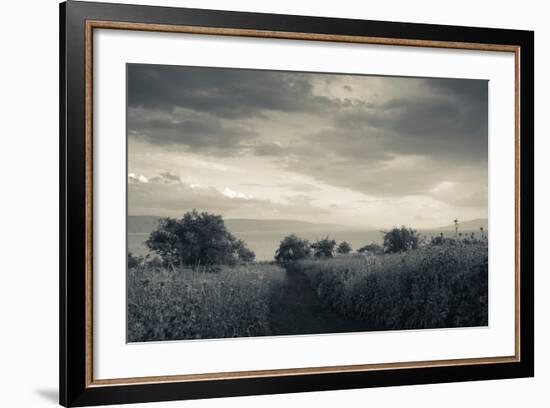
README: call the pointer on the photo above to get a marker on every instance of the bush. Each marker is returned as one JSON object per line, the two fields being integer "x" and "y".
{"x": 431, "y": 287}
{"x": 292, "y": 248}
{"x": 468, "y": 239}
{"x": 197, "y": 240}
{"x": 401, "y": 240}
{"x": 243, "y": 253}
{"x": 143, "y": 261}
{"x": 344, "y": 248}
{"x": 323, "y": 248}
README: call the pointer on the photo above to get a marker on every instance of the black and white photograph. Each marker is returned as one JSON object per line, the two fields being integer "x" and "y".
{"x": 265, "y": 203}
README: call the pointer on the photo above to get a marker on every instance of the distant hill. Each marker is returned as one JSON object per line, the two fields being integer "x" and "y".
{"x": 471, "y": 225}
{"x": 143, "y": 224}
{"x": 283, "y": 226}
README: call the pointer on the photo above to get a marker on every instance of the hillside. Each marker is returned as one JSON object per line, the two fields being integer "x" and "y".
{"x": 471, "y": 225}
{"x": 143, "y": 224}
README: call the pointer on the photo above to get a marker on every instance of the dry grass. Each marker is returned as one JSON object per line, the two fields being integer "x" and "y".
{"x": 434, "y": 286}
{"x": 184, "y": 304}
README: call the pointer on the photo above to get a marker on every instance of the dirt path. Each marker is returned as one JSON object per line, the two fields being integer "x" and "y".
{"x": 299, "y": 311}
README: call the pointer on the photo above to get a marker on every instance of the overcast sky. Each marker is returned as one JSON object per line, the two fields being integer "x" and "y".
{"x": 345, "y": 149}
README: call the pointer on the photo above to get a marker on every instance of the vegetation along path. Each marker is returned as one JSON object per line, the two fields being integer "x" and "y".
{"x": 299, "y": 311}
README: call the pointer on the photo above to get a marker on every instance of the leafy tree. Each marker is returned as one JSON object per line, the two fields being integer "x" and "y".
{"x": 197, "y": 239}
{"x": 344, "y": 248}
{"x": 401, "y": 239}
{"x": 371, "y": 248}
{"x": 292, "y": 248}
{"x": 243, "y": 253}
{"x": 323, "y": 248}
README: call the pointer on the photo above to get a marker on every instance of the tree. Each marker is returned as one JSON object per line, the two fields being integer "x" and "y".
{"x": 197, "y": 239}
{"x": 292, "y": 248}
{"x": 243, "y": 253}
{"x": 401, "y": 239}
{"x": 323, "y": 248}
{"x": 344, "y": 248}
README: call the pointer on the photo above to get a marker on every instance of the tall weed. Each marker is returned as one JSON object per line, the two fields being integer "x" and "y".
{"x": 185, "y": 304}
{"x": 431, "y": 287}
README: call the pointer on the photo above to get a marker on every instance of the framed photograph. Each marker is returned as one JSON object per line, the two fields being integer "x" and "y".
{"x": 257, "y": 204}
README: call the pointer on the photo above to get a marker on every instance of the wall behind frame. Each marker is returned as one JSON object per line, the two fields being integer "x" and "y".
{"x": 29, "y": 202}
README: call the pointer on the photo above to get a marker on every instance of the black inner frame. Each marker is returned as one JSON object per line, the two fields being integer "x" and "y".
{"x": 73, "y": 390}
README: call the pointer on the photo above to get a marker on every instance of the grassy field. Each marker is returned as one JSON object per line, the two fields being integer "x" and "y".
{"x": 434, "y": 286}
{"x": 431, "y": 287}
{"x": 184, "y": 304}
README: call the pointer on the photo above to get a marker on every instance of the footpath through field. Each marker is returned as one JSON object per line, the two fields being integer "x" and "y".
{"x": 299, "y": 311}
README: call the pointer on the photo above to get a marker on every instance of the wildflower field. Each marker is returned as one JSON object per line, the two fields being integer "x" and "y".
{"x": 166, "y": 304}
{"x": 433, "y": 286}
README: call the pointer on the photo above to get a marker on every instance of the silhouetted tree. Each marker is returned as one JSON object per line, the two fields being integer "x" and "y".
{"x": 292, "y": 248}
{"x": 243, "y": 253}
{"x": 401, "y": 239}
{"x": 323, "y": 248}
{"x": 197, "y": 239}
{"x": 344, "y": 248}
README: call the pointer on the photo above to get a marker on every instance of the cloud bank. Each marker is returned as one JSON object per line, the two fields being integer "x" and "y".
{"x": 296, "y": 135}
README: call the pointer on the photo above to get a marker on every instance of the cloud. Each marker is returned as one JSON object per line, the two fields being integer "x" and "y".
{"x": 162, "y": 178}
{"x": 268, "y": 149}
{"x": 134, "y": 179}
{"x": 392, "y": 177}
{"x": 195, "y": 131}
{"x": 382, "y": 137}
{"x": 174, "y": 199}
{"x": 165, "y": 178}
{"x": 300, "y": 187}
{"x": 235, "y": 194}
{"x": 226, "y": 93}
{"x": 402, "y": 146}
{"x": 441, "y": 124}
{"x": 462, "y": 195}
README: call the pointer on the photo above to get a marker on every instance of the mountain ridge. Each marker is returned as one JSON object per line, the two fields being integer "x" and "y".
{"x": 146, "y": 223}
{"x": 468, "y": 225}
{"x": 142, "y": 224}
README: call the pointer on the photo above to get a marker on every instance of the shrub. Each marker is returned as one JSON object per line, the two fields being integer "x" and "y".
{"x": 468, "y": 239}
{"x": 431, "y": 287}
{"x": 197, "y": 239}
{"x": 344, "y": 248}
{"x": 323, "y": 248}
{"x": 292, "y": 248}
{"x": 243, "y": 253}
{"x": 401, "y": 239}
